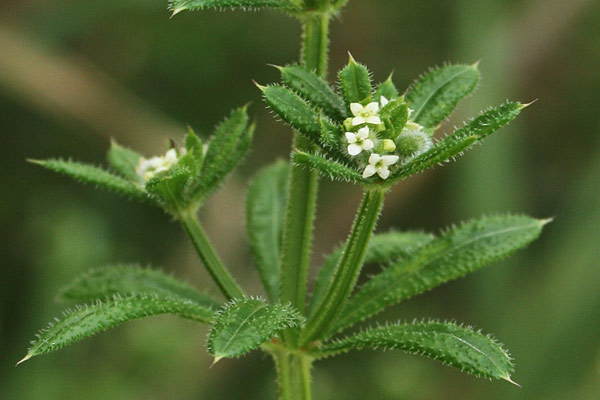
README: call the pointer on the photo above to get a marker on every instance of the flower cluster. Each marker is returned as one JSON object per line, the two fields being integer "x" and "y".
{"x": 367, "y": 140}
{"x": 149, "y": 168}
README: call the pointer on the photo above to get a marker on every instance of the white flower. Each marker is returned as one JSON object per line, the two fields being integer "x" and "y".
{"x": 379, "y": 164}
{"x": 383, "y": 101}
{"x": 359, "y": 141}
{"x": 148, "y": 168}
{"x": 367, "y": 114}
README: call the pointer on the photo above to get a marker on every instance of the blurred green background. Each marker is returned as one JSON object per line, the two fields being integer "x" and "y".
{"x": 75, "y": 73}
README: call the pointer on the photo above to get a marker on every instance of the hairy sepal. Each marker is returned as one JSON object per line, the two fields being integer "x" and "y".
{"x": 454, "y": 345}
{"x": 243, "y": 325}
{"x": 435, "y": 95}
{"x": 265, "y": 208}
{"x": 457, "y": 252}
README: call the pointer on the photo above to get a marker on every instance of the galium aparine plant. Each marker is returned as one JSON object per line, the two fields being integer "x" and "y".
{"x": 369, "y": 135}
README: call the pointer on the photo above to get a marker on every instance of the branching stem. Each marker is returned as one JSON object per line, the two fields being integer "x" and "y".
{"x": 209, "y": 257}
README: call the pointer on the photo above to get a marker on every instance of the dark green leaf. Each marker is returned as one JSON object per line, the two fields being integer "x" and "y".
{"x": 454, "y": 345}
{"x": 265, "y": 207}
{"x": 386, "y": 89}
{"x": 463, "y": 138}
{"x": 456, "y": 253}
{"x": 294, "y": 110}
{"x": 88, "y": 320}
{"x": 103, "y": 283}
{"x": 435, "y": 95}
{"x": 394, "y": 115}
{"x": 314, "y": 89}
{"x": 243, "y": 325}
{"x": 94, "y": 175}
{"x": 355, "y": 83}
{"x": 327, "y": 168}
{"x": 181, "y": 5}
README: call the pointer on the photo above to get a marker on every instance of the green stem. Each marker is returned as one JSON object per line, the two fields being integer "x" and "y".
{"x": 348, "y": 269}
{"x": 209, "y": 257}
{"x": 303, "y": 184}
{"x": 293, "y": 374}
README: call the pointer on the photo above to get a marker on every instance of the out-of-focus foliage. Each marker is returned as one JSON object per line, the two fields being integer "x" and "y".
{"x": 544, "y": 303}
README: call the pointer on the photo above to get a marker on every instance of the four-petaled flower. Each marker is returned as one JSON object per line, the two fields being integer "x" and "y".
{"x": 148, "y": 168}
{"x": 379, "y": 164}
{"x": 367, "y": 114}
{"x": 359, "y": 141}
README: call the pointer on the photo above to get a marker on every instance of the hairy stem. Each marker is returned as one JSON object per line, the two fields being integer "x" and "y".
{"x": 209, "y": 257}
{"x": 348, "y": 268}
{"x": 303, "y": 184}
{"x": 293, "y": 374}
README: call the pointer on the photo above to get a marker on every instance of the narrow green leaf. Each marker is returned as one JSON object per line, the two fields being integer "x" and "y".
{"x": 294, "y": 110}
{"x": 243, "y": 325}
{"x": 383, "y": 248}
{"x": 226, "y": 149}
{"x": 94, "y": 175}
{"x": 355, "y": 83}
{"x": 386, "y": 89}
{"x": 265, "y": 206}
{"x": 168, "y": 189}
{"x": 195, "y": 150}
{"x": 181, "y": 5}
{"x": 327, "y": 168}
{"x": 124, "y": 161}
{"x": 314, "y": 89}
{"x": 455, "y": 253}
{"x": 463, "y": 138}
{"x": 394, "y": 115}
{"x": 88, "y": 320}
{"x": 454, "y": 345}
{"x": 103, "y": 283}
{"x": 435, "y": 95}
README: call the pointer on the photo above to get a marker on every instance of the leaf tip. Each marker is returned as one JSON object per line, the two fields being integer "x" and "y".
{"x": 259, "y": 86}
{"x": 351, "y": 59}
{"x": 546, "y": 221}
{"x": 176, "y": 11}
{"x": 27, "y": 357}
{"x": 475, "y": 65}
{"x": 509, "y": 380}
{"x": 278, "y": 67}
{"x": 35, "y": 161}
{"x": 528, "y": 104}
{"x": 216, "y": 360}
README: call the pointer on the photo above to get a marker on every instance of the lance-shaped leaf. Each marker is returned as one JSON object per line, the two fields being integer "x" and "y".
{"x": 104, "y": 283}
{"x": 394, "y": 115}
{"x": 123, "y": 161}
{"x": 181, "y": 5}
{"x": 383, "y": 248}
{"x": 314, "y": 89}
{"x": 386, "y": 89}
{"x": 463, "y": 138}
{"x": 265, "y": 207}
{"x": 455, "y": 253}
{"x": 327, "y": 168}
{"x": 88, "y": 320}
{"x": 94, "y": 175}
{"x": 454, "y": 345}
{"x": 243, "y": 325}
{"x": 293, "y": 109}
{"x": 355, "y": 83}
{"x": 226, "y": 150}
{"x": 435, "y": 95}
